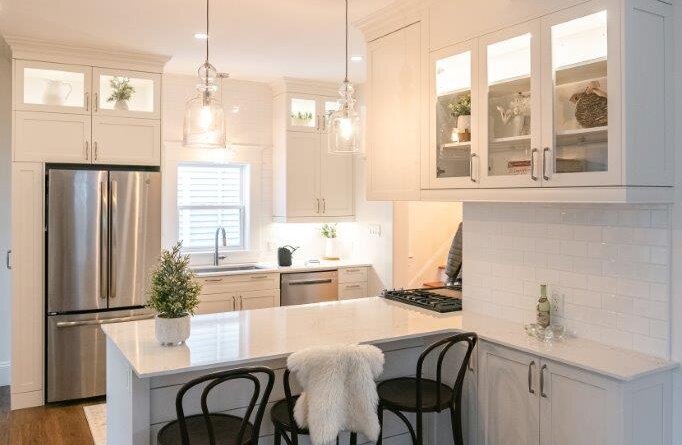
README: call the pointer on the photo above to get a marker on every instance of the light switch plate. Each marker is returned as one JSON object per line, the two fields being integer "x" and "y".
{"x": 374, "y": 229}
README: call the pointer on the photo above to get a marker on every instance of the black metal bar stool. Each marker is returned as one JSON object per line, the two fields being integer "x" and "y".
{"x": 282, "y": 416}
{"x": 218, "y": 428}
{"x": 421, "y": 395}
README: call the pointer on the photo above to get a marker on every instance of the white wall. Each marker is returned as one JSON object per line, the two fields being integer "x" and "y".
{"x": 5, "y": 168}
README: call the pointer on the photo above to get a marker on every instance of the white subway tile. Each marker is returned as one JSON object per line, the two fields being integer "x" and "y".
{"x": 587, "y": 233}
{"x": 547, "y": 246}
{"x": 575, "y": 216}
{"x": 651, "y": 346}
{"x": 590, "y": 266}
{"x": 656, "y": 237}
{"x": 615, "y": 337}
{"x": 633, "y": 253}
{"x": 560, "y": 231}
{"x": 584, "y": 297}
{"x": 535, "y": 259}
{"x": 602, "y": 250}
{"x": 618, "y": 303}
{"x": 633, "y": 323}
{"x": 634, "y": 218}
{"x": 560, "y": 262}
{"x": 659, "y": 255}
{"x": 652, "y": 309}
{"x": 659, "y": 218}
{"x": 659, "y": 291}
{"x": 547, "y": 215}
{"x": 574, "y": 248}
{"x": 617, "y": 234}
{"x": 660, "y": 329}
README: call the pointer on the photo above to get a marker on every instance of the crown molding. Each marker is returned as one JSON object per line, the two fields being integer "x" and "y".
{"x": 397, "y": 15}
{"x": 27, "y": 48}
{"x": 304, "y": 86}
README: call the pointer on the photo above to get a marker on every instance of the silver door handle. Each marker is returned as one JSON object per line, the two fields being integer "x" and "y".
{"x": 96, "y": 106}
{"x": 544, "y": 164}
{"x": 8, "y": 259}
{"x": 542, "y": 381}
{"x": 318, "y": 205}
{"x": 258, "y": 277}
{"x": 103, "y": 228}
{"x": 305, "y": 282}
{"x": 96, "y": 147}
{"x": 471, "y": 167}
{"x": 352, "y": 286}
{"x": 352, "y": 270}
{"x": 324, "y": 206}
{"x": 73, "y": 324}
{"x": 241, "y": 303}
{"x": 532, "y": 164}
{"x": 530, "y": 377}
{"x": 87, "y": 101}
{"x": 87, "y": 150}
{"x": 113, "y": 240}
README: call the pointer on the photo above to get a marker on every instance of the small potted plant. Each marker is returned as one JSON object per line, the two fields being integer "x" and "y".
{"x": 331, "y": 247}
{"x": 174, "y": 294}
{"x": 121, "y": 92}
{"x": 461, "y": 110}
{"x": 301, "y": 119}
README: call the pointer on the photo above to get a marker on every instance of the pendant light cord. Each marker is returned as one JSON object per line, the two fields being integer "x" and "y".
{"x": 346, "y": 78}
{"x": 207, "y": 34}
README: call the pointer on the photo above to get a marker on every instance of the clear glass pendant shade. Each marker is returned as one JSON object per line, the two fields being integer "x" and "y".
{"x": 344, "y": 124}
{"x": 204, "y": 125}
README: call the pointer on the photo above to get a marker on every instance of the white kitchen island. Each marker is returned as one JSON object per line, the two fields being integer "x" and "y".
{"x": 143, "y": 377}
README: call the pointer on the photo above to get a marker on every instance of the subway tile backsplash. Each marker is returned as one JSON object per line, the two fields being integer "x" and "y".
{"x": 610, "y": 265}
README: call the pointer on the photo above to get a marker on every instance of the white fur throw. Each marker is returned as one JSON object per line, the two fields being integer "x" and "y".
{"x": 339, "y": 392}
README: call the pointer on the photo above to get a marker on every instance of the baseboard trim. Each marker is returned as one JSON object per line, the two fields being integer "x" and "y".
{"x": 5, "y": 373}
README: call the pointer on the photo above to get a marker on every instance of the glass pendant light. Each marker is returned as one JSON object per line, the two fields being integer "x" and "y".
{"x": 344, "y": 124}
{"x": 204, "y": 125}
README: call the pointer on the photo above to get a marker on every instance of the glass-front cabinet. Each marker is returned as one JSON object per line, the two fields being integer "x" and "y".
{"x": 126, "y": 93}
{"x": 453, "y": 154}
{"x": 581, "y": 97}
{"x": 43, "y": 86}
{"x": 510, "y": 112}
{"x": 308, "y": 112}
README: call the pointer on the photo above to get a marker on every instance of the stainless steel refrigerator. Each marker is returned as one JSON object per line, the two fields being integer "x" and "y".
{"x": 103, "y": 237}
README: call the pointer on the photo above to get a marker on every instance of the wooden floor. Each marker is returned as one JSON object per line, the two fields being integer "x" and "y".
{"x": 52, "y": 425}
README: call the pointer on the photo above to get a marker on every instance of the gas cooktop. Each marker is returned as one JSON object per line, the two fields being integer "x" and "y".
{"x": 443, "y": 299}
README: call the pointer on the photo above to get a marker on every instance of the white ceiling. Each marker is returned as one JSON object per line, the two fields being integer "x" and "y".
{"x": 250, "y": 39}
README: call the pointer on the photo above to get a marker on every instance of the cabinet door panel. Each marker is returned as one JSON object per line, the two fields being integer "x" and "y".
{"x": 508, "y": 408}
{"x": 53, "y": 87}
{"x": 394, "y": 117}
{"x": 126, "y": 141}
{"x": 144, "y": 91}
{"x": 337, "y": 189}
{"x": 304, "y": 113}
{"x": 577, "y": 408}
{"x": 257, "y": 299}
{"x": 51, "y": 137}
{"x": 214, "y": 307}
{"x": 581, "y": 95}
{"x": 303, "y": 174}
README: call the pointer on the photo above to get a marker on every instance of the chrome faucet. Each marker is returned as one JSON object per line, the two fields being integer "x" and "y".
{"x": 216, "y": 256}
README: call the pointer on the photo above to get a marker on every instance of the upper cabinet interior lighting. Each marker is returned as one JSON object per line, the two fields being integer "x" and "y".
{"x": 204, "y": 125}
{"x": 344, "y": 123}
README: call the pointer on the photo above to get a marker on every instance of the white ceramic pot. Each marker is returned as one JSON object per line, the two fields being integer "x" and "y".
{"x": 331, "y": 249}
{"x": 463, "y": 123}
{"x": 517, "y": 124}
{"x": 121, "y": 105}
{"x": 172, "y": 331}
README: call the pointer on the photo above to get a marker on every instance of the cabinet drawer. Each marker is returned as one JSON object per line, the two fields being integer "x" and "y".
{"x": 349, "y": 291}
{"x": 214, "y": 307}
{"x": 217, "y": 296}
{"x": 236, "y": 283}
{"x": 257, "y": 300}
{"x": 352, "y": 274}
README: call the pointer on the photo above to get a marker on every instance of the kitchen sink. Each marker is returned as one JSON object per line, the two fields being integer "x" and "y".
{"x": 230, "y": 268}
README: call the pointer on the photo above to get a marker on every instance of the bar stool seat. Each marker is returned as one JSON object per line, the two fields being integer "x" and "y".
{"x": 279, "y": 414}
{"x": 401, "y": 394}
{"x": 225, "y": 427}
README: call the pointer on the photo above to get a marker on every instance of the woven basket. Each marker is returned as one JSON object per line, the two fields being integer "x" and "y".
{"x": 591, "y": 106}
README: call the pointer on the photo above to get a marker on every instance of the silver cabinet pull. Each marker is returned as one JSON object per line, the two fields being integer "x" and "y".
{"x": 352, "y": 270}
{"x": 542, "y": 381}
{"x": 96, "y": 106}
{"x": 471, "y": 167}
{"x": 353, "y": 286}
{"x": 8, "y": 259}
{"x": 317, "y": 209}
{"x": 258, "y": 277}
{"x": 96, "y": 147}
{"x": 533, "y": 176}
{"x": 306, "y": 282}
{"x": 545, "y": 176}
{"x": 530, "y": 377}
{"x": 241, "y": 303}
{"x": 213, "y": 280}
{"x": 73, "y": 324}
{"x": 87, "y": 150}
{"x": 324, "y": 205}
{"x": 87, "y": 101}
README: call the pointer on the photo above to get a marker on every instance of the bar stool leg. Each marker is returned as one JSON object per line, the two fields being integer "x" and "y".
{"x": 456, "y": 423}
{"x": 278, "y": 437}
{"x": 353, "y": 439}
{"x": 380, "y": 414}
{"x": 420, "y": 435}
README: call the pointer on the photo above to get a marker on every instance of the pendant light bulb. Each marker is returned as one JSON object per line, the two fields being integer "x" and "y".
{"x": 344, "y": 124}
{"x": 204, "y": 125}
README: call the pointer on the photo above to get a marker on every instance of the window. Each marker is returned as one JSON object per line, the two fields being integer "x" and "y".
{"x": 211, "y": 196}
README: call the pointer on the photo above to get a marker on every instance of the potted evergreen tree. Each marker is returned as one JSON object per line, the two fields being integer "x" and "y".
{"x": 174, "y": 294}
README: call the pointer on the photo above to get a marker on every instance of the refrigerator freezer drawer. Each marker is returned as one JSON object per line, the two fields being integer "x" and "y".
{"x": 76, "y": 358}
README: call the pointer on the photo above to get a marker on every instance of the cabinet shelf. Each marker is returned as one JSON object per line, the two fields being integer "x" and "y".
{"x": 588, "y": 69}
{"x": 455, "y": 144}
{"x": 453, "y": 92}
{"x": 582, "y": 135}
{"x": 510, "y": 142}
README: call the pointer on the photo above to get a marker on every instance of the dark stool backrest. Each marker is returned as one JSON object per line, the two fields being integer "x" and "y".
{"x": 290, "y": 403}
{"x": 470, "y": 338}
{"x": 216, "y": 379}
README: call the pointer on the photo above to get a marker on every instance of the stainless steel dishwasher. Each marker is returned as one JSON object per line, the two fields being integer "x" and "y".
{"x": 309, "y": 287}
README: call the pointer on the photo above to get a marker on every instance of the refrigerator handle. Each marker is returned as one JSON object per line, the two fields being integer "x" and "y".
{"x": 103, "y": 239}
{"x": 112, "y": 237}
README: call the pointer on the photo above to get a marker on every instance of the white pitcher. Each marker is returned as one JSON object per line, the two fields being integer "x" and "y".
{"x": 56, "y": 92}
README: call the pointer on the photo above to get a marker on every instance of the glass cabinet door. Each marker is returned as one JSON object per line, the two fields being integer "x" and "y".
{"x": 578, "y": 150}
{"x": 126, "y": 93}
{"x": 510, "y": 122}
{"x": 452, "y": 157}
{"x": 303, "y": 113}
{"x": 329, "y": 106}
{"x": 42, "y": 86}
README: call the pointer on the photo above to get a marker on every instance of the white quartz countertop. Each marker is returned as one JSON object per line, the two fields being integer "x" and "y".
{"x": 236, "y": 338}
{"x": 295, "y": 267}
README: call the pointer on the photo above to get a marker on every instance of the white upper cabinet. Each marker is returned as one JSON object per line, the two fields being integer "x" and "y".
{"x": 117, "y": 140}
{"x": 54, "y": 137}
{"x": 573, "y": 102}
{"x": 126, "y": 93}
{"x": 53, "y": 87}
{"x": 310, "y": 184}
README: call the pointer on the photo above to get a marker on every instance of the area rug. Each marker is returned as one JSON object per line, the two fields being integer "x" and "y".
{"x": 97, "y": 421}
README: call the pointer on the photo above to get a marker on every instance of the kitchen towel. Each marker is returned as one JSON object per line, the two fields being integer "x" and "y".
{"x": 339, "y": 391}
